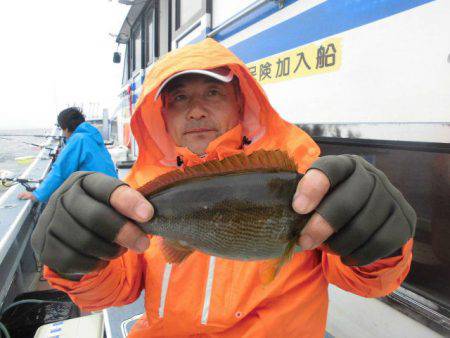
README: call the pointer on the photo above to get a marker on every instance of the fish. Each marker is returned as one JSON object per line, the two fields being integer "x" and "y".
{"x": 238, "y": 208}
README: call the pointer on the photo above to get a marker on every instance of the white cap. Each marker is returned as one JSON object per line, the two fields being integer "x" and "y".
{"x": 222, "y": 74}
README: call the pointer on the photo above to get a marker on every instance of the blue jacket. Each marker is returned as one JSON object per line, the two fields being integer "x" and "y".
{"x": 84, "y": 151}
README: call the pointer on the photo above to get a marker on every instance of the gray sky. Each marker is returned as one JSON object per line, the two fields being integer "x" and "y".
{"x": 54, "y": 53}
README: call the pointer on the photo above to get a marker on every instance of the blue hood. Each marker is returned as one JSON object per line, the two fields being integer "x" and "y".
{"x": 86, "y": 128}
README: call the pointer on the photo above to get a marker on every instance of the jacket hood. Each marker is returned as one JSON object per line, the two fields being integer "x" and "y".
{"x": 90, "y": 130}
{"x": 156, "y": 148}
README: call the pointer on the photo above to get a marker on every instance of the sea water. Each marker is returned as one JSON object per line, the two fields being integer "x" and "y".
{"x": 12, "y": 147}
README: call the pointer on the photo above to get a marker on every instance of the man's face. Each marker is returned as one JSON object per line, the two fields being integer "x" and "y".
{"x": 198, "y": 109}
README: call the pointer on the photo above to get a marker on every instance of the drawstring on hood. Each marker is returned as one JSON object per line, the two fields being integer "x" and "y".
{"x": 246, "y": 141}
{"x": 179, "y": 161}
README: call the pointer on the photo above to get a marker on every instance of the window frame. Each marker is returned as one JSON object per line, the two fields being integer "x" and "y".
{"x": 149, "y": 14}
{"x": 137, "y": 27}
{"x": 176, "y": 28}
{"x": 126, "y": 73}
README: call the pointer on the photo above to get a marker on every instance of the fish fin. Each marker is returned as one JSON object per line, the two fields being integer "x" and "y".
{"x": 173, "y": 251}
{"x": 271, "y": 268}
{"x": 289, "y": 252}
{"x": 260, "y": 160}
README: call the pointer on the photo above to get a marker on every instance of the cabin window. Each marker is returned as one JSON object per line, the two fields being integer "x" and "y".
{"x": 126, "y": 66}
{"x": 422, "y": 177}
{"x": 163, "y": 27}
{"x": 186, "y": 10}
{"x": 223, "y": 10}
{"x": 150, "y": 37}
{"x": 186, "y": 13}
{"x": 136, "y": 48}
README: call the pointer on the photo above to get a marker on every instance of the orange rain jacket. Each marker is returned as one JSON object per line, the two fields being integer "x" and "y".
{"x": 209, "y": 296}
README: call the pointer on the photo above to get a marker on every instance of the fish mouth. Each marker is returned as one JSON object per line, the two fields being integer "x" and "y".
{"x": 199, "y": 131}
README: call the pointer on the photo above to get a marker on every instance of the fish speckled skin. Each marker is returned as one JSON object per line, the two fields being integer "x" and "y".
{"x": 243, "y": 216}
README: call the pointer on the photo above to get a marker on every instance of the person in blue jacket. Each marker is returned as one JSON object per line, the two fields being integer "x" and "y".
{"x": 84, "y": 151}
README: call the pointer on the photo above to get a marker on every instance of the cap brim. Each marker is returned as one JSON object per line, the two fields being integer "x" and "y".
{"x": 224, "y": 78}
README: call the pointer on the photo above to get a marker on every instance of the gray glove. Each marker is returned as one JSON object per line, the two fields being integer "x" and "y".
{"x": 371, "y": 217}
{"x": 76, "y": 230}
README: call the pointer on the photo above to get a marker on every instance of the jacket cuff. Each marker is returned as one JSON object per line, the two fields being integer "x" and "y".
{"x": 37, "y": 195}
{"x": 389, "y": 261}
{"x": 64, "y": 284}
{"x": 377, "y": 279}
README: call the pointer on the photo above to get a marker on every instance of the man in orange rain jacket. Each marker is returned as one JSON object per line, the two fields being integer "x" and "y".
{"x": 200, "y": 103}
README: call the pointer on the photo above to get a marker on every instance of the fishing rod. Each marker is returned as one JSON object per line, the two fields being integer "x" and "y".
{"x": 29, "y": 143}
{"x": 10, "y": 181}
{"x": 56, "y": 137}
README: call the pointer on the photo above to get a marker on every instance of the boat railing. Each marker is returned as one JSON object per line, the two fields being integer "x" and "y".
{"x": 17, "y": 220}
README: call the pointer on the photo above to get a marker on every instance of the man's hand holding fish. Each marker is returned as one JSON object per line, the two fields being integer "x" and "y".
{"x": 359, "y": 214}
